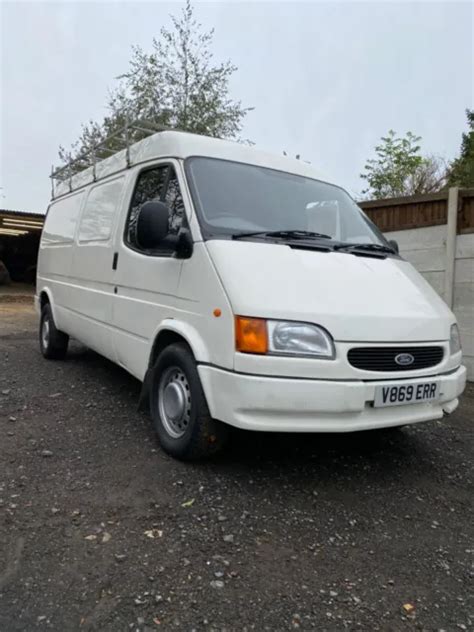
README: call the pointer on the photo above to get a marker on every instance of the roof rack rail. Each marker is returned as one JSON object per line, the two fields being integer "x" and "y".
{"x": 123, "y": 137}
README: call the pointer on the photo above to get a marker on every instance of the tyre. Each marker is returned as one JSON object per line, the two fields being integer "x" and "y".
{"x": 53, "y": 343}
{"x": 179, "y": 409}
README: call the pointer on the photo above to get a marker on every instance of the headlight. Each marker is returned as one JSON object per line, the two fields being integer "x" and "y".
{"x": 454, "y": 340}
{"x": 299, "y": 339}
{"x": 279, "y": 337}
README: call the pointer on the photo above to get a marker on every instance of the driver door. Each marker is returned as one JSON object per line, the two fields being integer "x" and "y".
{"x": 146, "y": 283}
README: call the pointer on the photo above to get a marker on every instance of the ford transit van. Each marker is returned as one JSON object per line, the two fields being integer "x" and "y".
{"x": 243, "y": 289}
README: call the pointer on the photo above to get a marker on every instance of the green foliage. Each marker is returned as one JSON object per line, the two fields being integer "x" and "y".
{"x": 461, "y": 170}
{"x": 399, "y": 169}
{"x": 175, "y": 85}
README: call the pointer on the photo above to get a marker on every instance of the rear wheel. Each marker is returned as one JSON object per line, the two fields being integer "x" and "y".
{"x": 179, "y": 409}
{"x": 53, "y": 343}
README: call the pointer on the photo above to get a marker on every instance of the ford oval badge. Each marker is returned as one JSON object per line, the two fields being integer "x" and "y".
{"x": 404, "y": 359}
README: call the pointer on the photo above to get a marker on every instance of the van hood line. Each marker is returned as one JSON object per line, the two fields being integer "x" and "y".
{"x": 358, "y": 299}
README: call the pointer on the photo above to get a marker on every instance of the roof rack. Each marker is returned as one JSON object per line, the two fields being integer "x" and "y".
{"x": 123, "y": 137}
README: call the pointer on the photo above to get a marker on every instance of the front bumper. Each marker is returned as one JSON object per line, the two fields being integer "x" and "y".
{"x": 306, "y": 405}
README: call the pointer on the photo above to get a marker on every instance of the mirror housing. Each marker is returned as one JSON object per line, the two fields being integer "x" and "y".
{"x": 184, "y": 244}
{"x": 152, "y": 225}
{"x": 394, "y": 245}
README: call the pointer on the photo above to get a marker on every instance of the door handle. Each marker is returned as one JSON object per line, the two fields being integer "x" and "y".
{"x": 115, "y": 260}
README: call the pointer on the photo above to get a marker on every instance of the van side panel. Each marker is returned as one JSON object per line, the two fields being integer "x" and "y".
{"x": 91, "y": 289}
{"x": 146, "y": 295}
{"x": 55, "y": 254}
{"x": 200, "y": 294}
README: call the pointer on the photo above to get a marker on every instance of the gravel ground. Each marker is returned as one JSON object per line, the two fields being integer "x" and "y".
{"x": 100, "y": 530}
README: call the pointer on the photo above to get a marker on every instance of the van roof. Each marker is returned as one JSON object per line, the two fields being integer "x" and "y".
{"x": 181, "y": 145}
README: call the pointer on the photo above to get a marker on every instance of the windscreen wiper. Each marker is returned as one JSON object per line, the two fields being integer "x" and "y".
{"x": 284, "y": 234}
{"x": 374, "y": 247}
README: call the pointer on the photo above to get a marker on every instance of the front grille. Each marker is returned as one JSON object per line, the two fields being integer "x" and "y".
{"x": 383, "y": 358}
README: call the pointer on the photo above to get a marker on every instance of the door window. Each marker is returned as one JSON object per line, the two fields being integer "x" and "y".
{"x": 159, "y": 184}
{"x": 174, "y": 201}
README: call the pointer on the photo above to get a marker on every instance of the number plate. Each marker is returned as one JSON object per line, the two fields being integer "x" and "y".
{"x": 394, "y": 395}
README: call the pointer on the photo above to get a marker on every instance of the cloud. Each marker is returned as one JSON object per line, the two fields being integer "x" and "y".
{"x": 326, "y": 79}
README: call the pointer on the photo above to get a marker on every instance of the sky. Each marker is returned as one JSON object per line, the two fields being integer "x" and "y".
{"x": 326, "y": 79}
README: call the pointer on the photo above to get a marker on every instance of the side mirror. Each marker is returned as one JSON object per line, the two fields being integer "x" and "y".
{"x": 152, "y": 224}
{"x": 184, "y": 244}
{"x": 394, "y": 245}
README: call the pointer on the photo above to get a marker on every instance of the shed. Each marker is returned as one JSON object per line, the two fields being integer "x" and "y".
{"x": 20, "y": 233}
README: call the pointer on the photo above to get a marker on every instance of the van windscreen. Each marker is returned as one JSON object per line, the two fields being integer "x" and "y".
{"x": 232, "y": 197}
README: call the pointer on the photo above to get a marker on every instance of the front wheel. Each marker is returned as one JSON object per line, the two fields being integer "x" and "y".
{"x": 53, "y": 343}
{"x": 179, "y": 409}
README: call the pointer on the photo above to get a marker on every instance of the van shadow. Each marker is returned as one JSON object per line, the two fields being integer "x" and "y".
{"x": 103, "y": 371}
{"x": 387, "y": 452}
{"x": 378, "y": 451}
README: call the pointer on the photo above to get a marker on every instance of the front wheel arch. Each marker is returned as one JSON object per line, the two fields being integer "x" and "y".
{"x": 172, "y": 330}
{"x": 163, "y": 339}
{"x": 169, "y": 333}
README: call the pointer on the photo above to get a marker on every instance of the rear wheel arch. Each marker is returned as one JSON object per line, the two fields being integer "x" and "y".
{"x": 53, "y": 342}
{"x": 46, "y": 298}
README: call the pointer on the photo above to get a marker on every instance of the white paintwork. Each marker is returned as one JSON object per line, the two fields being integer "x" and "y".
{"x": 181, "y": 145}
{"x": 293, "y": 405}
{"x": 354, "y": 298}
{"x": 120, "y": 313}
{"x": 89, "y": 308}
{"x": 55, "y": 255}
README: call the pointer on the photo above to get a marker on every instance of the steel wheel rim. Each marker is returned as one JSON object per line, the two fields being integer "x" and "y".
{"x": 45, "y": 333}
{"x": 174, "y": 401}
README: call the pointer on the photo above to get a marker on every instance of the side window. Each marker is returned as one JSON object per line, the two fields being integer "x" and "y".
{"x": 98, "y": 215}
{"x": 156, "y": 184}
{"x": 61, "y": 220}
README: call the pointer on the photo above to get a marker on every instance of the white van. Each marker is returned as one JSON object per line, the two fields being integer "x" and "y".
{"x": 242, "y": 289}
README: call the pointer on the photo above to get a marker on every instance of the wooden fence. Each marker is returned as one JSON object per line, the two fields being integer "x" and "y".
{"x": 419, "y": 211}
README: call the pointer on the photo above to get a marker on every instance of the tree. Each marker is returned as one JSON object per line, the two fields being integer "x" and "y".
{"x": 461, "y": 170}
{"x": 175, "y": 85}
{"x": 399, "y": 169}
{"x": 429, "y": 177}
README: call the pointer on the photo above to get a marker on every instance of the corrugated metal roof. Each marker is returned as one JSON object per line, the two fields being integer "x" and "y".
{"x": 22, "y": 213}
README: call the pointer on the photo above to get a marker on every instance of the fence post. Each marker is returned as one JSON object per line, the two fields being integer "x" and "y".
{"x": 451, "y": 231}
